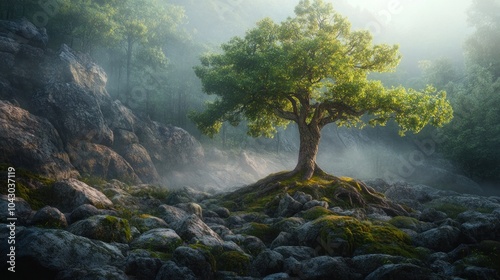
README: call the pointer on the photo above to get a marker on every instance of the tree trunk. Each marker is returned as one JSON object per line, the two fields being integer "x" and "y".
{"x": 309, "y": 142}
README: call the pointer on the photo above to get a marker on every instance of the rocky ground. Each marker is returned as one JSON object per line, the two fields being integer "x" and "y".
{"x": 69, "y": 229}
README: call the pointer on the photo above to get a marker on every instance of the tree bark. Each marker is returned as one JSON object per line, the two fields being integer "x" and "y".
{"x": 310, "y": 135}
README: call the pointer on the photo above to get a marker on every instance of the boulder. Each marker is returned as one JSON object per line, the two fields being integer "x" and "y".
{"x": 193, "y": 230}
{"x": 171, "y": 214}
{"x": 71, "y": 193}
{"x": 277, "y": 276}
{"x": 142, "y": 267}
{"x": 170, "y": 147}
{"x": 101, "y": 272}
{"x": 267, "y": 262}
{"x": 147, "y": 222}
{"x": 138, "y": 158}
{"x": 87, "y": 210}
{"x": 191, "y": 208}
{"x": 74, "y": 111}
{"x": 103, "y": 227}
{"x": 326, "y": 267}
{"x": 36, "y": 247}
{"x": 49, "y": 217}
{"x": 283, "y": 239}
{"x": 25, "y": 32}
{"x": 474, "y": 272}
{"x": 297, "y": 252}
{"x": 400, "y": 271}
{"x": 32, "y": 143}
{"x": 171, "y": 271}
{"x": 195, "y": 260}
{"x": 401, "y": 192}
{"x": 23, "y": 210}
{"x": 101, "y": 161}
{"x": 478, "y": 226}
{"x": 442, "y": 239}
{"x": 253, "y": 245}
{"x": 366, "y": 264}
{"x": 288, "y": 206}
{"x": 158, "y": 239}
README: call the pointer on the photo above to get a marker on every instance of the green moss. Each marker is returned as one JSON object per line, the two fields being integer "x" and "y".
{"x": 115, "y": 229}
{"x": 264, "y": 232}
{"x": 233, "y": 261}
{"x": 405, "y": 222}
{"x": 93, "y": 181}
{"x": 161, "y": 255}
{"x": 126, "y": 212}
{"x": 451, "y": 209}
{"x": 340, "y": 235}
{"x": 315, "y": 212}
{"x": 157, "y": 192}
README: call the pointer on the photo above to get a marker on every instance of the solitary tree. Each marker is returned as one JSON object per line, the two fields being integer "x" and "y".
{"x": 311, "y": 70}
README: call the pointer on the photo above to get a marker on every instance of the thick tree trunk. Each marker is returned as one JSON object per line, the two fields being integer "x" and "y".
{"x": 309, "y": 142}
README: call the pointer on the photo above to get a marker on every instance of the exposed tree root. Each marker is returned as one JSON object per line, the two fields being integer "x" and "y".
{"x": 344, "y": 192}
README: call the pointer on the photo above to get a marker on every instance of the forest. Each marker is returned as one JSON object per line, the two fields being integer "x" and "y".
{"x": 238, "y": 139}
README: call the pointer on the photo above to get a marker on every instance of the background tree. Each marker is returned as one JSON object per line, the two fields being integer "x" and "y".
{"x": 311, "y": 70}
{"x": 481, "y": 48}
{"x": 474, "y": 135}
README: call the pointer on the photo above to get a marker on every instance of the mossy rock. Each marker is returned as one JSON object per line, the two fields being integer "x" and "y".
{"x": 404, "y": 222}
{"x": 451, "y": 209}
{"x": 36, "y": 190}
{"x": 222, "y": 260}
{"x": 234, "y": 261}
{"x": 103, "y": 227}
{"x": 347, "y": 236}
{"x": 315, "y": 212}
{"x": 264, "y": 232}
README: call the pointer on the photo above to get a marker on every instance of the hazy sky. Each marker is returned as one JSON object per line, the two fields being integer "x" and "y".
{"x": 424, "y": 29}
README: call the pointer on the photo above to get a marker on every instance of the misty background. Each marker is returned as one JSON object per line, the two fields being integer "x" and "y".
{"x": 155, "y": 77}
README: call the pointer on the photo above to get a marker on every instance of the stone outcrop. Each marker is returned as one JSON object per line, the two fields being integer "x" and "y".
{"x": 57, "y": 119}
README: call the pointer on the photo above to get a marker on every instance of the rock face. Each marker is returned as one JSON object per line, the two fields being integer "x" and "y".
{"x": 32, "y": 142}
{"x": 57, "y": 119}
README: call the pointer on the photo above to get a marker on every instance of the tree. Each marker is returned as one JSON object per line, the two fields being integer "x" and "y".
{"x": 311, "y": 70}
{"x": 482, "y": 46}
{"x": 149, "y": 22}
{"x": 474, "y": 135}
